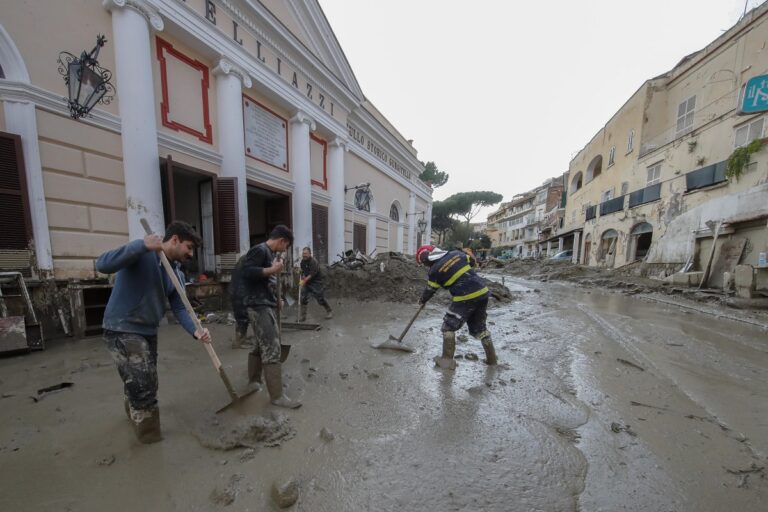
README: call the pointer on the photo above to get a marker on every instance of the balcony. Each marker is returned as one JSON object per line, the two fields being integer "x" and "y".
{"x": 612, "y": 206}
{"x": 705, "y": 176}
{"x": 645, "y": 195}
{"x": 591, "y": 212}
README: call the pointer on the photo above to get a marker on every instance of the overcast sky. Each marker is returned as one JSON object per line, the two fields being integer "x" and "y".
{"x": 502, "y": 94}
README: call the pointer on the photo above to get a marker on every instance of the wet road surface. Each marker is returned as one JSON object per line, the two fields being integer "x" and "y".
{"x": 601, "y": 402}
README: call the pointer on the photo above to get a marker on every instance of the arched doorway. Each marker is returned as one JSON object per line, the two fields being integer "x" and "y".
{"x": 607, "y": 250}
{"x": 640, "y": 240}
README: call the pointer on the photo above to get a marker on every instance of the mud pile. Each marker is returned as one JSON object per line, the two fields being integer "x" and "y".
{"x": 392, "y": 278}
{"x": 250, "y": 432}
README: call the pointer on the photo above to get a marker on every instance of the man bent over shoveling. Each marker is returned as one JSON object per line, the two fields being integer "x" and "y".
{"x": 134, "y": 311}
{"x": 452, "y": 270}
{"x": 254, "y": 282}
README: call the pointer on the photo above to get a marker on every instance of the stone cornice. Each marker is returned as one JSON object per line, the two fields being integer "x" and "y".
{"x": 226, "y": 67}
{"x": 141, "y": 6}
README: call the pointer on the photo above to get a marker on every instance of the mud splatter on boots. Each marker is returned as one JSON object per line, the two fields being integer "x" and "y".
{"x": 490, "y": 351}
{"x": 254, "y": 368}
{"x": 446, "y": 361}
{"x": 273, "y": 374}
{"x": 146, "y": 425}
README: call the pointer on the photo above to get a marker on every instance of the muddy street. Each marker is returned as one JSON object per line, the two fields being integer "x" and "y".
{"x": 600, "y": 402}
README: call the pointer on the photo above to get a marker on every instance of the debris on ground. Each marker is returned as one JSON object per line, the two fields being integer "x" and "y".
{"x": 471, "y": 356}
{"x": 630, "y": 364}
{"x": 228, "y": 494}
{"x": 618, "y": 427}
{"x": 41, "y": 393}
{"x": 285, "y": 494}
{"x": 250, "y": 432}
{"x": 107, "y": 461}
{"x": 326, "y": 435}
{"x": 391, "y": 277}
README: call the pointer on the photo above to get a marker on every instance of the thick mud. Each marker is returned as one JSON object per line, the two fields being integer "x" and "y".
{"x": 562, "y": 424}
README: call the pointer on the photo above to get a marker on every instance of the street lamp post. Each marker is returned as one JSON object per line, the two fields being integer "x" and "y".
{"x": 87, "y": 82}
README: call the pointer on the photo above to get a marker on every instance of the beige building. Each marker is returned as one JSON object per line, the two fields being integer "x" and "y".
{"x": 648, "y": 182}
{"x": 232, "y": 115}
{"x": 517, "y": 227}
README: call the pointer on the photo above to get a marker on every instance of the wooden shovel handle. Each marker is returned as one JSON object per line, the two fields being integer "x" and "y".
{"x": 183, "y": 295}
{"x": 405, "y": 331}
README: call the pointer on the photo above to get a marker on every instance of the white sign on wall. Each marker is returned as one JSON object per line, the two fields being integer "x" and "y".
{"x": 266, "y": 134}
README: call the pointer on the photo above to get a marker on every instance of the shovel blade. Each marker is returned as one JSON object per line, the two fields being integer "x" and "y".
{"x": 284, "y": 351}
{"x": 234, "y": 404}
{"x": 393, "y": 344}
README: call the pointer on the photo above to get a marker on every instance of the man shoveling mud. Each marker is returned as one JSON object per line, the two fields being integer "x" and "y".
{"x": 134, "y": 311}
{"x": 312, "y": 285}
{"x": 452, "y": 270}
{"x": 254, "y": 282}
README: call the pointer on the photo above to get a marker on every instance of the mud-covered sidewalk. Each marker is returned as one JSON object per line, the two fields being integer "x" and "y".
{"x": 601, "y": 402}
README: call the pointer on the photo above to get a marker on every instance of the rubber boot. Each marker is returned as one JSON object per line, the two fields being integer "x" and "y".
{"x": 241, "y": 338}
{"x": 303, "y": 314}
{"x": 446, "y": 360}
{"x": 146, "y": 425}
{"x": 273, "y": 374}
{"x": 254, "y": 368}
{"x": 490, "y": 351}
{"x": 127, "y": 406}
{"x": 328, "y": 311}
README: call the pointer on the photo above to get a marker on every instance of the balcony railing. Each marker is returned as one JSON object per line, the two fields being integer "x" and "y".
{"x": 705, "y": 176}
{"x": 591, "y": 212}
{"x": 645, "y": 195}
{"x": 612, "y": 205}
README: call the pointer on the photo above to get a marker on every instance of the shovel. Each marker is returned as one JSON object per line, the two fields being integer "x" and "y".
{"x": 235, "y": 399}
{"x": 397, "y": 343}
{"x": 284, "y": 349}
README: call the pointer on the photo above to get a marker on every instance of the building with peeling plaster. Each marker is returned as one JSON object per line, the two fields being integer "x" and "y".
{"x": 232, "y": 115}
{"x": 645, "y": 185}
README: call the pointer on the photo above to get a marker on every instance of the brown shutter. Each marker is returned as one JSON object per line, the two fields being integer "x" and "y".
{"x": 320, "y": 232}
{"x": 15, "y": 220}
{"x": 359, "y": 238}
{"x": 169, "y": 197}
{"x": 226, "y": 222}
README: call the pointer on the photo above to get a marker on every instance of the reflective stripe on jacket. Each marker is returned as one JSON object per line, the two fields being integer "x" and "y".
{"x": 453, "y": 272}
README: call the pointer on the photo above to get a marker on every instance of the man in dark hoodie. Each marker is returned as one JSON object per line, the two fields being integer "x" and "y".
{"x": 453, "y": 270}
{"x": 253, "y": 286}
{"x": 134, "y": 311}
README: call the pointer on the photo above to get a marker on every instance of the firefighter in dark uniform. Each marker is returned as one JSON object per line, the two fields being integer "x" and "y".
{"x": 452, "y": 270}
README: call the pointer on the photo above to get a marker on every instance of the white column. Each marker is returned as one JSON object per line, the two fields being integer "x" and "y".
{"x": 549, "y": 248}
{"x": 576, "y": 247}
{"x": 336, "y": 149}
{"x": 20, "y": 119}
{"x": 230, "y": 81}
{"x": 371, "y": 239}
{"x": 428, "y": 232}
{"x": 560, "y": 244}
{"x": 411, "y": 213}
{"x": 400, "y": 234}
{"x": 136, "y": 97}
{"x": 301, "y": 124}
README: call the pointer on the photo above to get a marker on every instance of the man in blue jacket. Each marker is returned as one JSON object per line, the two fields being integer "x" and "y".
{"x": 134, "y": 311}
{"x": 453, "y": 270}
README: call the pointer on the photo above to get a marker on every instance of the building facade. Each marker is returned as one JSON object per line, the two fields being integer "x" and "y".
{"x": 647, "y": 184}
{"x": 516, "y": 227}
{"x": 234, "y": 116}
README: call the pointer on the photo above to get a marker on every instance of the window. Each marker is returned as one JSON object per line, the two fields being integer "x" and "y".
{"x": 607, "y": 196}
{"x": 393, "y": 213}
{"x": 746, "y": 133}
{"x": 685, "y": 113}
{"x": 654, "y": 174}
{"x": 624, "y": 187}
{"x": 630, "y": 141}
{"x": 612, "y": 156}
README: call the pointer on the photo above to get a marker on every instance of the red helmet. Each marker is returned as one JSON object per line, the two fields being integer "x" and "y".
{"x": 423, "y": 252}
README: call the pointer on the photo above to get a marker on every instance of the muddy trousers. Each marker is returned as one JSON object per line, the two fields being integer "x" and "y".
{"x": 316, "y": 291}
{"x": 135, "y": 356}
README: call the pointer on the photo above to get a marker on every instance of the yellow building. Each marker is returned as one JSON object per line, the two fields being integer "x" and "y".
{"x": 648, "y": 182}
{"x": 232, "y": 115}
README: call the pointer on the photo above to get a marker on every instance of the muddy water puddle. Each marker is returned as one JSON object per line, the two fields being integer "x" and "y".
{"x": 397, "y": 434}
